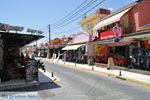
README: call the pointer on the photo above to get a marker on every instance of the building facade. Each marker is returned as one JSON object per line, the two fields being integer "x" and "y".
{"x": 124, "y": 35}
{"x": 89, "y": 22}
{"x": 76, "y": 50}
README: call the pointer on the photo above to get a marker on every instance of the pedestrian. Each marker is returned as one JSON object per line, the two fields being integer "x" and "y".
{"x": 27, "y": 57}
{"x": 65, "y": 56}
{"x": 33, "y": 55}
{"x": 22, "y": 56}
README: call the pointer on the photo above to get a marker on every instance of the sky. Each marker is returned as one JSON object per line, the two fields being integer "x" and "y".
{"x": 37, "y": 14}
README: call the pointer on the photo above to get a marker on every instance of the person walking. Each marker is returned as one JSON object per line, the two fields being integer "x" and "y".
{"x": 33, "y": 55}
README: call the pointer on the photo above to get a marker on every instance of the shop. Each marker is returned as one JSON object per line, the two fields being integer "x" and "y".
{"x": 42, "y": 50}
{"x": 77, "y": 50}
{"x": 121, "y": 36}
{"x": 16, "y": 70}
{"x": 111, "y": 43}
{"x": 140, "y": 50}
{"x": 100, "y": 53}
{"x": 131, "y": 51}
{"x": 76, "y": 53}
{"x": 120, "y": 52}
{"x": 55, "y": 48}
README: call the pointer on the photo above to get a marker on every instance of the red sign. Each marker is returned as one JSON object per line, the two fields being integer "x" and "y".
{"x": 56, "y": 41}
{"x": 111, "y": 34}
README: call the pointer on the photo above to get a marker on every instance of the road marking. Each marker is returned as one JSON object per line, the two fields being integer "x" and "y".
{"x": 54, "y": 79}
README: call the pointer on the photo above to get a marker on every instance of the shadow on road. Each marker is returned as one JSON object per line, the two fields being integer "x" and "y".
{"x": 45, "y": 84}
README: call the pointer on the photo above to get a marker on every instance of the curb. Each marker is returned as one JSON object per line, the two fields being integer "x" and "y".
{"x": 54, "y": 79}
{"x": 105, "y": 73}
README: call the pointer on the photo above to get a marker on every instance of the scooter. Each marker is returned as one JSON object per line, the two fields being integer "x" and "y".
{"x": 41, "y": 65}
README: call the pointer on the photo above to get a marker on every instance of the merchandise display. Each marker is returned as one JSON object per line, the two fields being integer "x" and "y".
{"x": 140, "y": 58}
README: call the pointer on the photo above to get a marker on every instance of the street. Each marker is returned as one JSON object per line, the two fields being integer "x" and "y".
{"x": 75, "y": 50}
{"x": 76, "y": 84}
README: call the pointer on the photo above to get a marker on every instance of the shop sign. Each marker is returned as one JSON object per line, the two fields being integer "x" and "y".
{"x": 117, "y": 39}
{"x": 10, "y": 27}
{"x": 31, "y": 71}
{"x": 56, "y": 41}
{"x": 115, "y": 33}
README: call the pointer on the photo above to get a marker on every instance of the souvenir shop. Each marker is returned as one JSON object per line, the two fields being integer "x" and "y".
{"x": 15, "y": 68}
{"x": 55, "y": 48}
{"x": 42, "y": 50}
{"x": 133, "y": 51}
{"x": 76, "y": 51}
{"x": 140, "y": 50}
{"x": 140, "y": 55}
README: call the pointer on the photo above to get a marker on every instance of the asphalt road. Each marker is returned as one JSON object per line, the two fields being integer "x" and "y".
{"x": 76, "y": 84}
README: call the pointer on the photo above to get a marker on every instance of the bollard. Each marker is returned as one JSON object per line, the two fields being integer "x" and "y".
{"x": 76, "y": 63}
{"x": 52, "y": 74}
{"x": 64, "y": 62}
{"x": 120, "y": 73}
{"x": 92, "y": 67}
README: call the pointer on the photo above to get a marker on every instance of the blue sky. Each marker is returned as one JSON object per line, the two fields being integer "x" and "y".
{"x": 37, "y": 14}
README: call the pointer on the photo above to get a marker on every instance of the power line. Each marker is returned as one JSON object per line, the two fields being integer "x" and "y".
{"x": 69, "y": 30}
{"x": 90, "y": 3}
{"x": 71, "y": 12}
{"x": 78, "y": 17}
{"x": 81, "y": 15}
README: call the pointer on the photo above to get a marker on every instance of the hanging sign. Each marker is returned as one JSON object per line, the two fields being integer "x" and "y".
{"x": 117, "y": 32}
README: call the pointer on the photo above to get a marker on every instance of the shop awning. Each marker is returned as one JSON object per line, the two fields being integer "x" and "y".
{"x": 142, "y": 35}
{"x": 111, "y": 19}
{"x": 73, "y": 47}
{"x": 101, "y": 42}
{"x": 111, "y": 42}
{"x": 122, "y": 43}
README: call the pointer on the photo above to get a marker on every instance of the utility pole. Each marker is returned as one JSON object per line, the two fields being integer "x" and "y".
{"x": 49, "y": 30}
{"x": 36, "y": 52}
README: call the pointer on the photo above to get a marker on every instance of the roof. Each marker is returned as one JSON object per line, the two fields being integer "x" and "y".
{"x": 108, "y": 18}
{"x": 18, "y": 39}
{"x": 89, "y": 18}
{"x": 120, "y": 10}
{"x": 111, "y": 19}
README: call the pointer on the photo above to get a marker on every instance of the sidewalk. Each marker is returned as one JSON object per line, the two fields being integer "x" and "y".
{"x": 125, "y": 75}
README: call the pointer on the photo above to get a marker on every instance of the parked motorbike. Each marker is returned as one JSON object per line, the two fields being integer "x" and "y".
{"x": 41, "y": 65}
